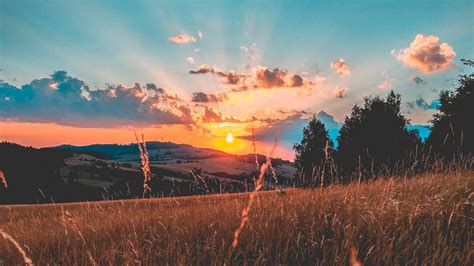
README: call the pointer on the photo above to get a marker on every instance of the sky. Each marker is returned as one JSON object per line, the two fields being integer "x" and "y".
{"x": 82, "y": 72}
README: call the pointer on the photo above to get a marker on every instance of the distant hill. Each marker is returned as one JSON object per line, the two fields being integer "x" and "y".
{"x": 111, "y": 171}
{"x": 158, "y": 151}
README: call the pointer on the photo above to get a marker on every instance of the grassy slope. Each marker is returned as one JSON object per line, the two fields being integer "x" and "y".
{"x": 428, "y": 218}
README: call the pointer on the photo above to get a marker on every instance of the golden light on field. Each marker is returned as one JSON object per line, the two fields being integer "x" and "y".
{"x": 230, "y": 138}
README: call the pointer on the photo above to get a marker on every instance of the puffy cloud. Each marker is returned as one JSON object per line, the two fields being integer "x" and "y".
{"x": 267, "y": 78}
{"x": 66, "y": 100}
{"x": 291, "y": 127}
{"x": 331, "y": 125}
{"x": 418, "y": 80}
{"x": 427, "y": 54}
{"x": 182, "y": 38}
{"x": 340, "y": 92}
{"x": 190, "y": 60}
{"x": 341, "y": 67}
{"x": 201, "y": 97}
{"x": 423, "y": 104}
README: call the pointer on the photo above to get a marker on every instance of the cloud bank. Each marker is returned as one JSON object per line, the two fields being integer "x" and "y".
{"x": 260, "y": 78}
{"x": 65, "y": 100}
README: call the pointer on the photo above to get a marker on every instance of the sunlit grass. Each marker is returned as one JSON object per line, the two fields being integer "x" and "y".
{"x": 423, "y": 220}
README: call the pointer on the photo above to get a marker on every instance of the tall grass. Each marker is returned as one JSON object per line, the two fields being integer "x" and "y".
{"x": 426, "y": 219}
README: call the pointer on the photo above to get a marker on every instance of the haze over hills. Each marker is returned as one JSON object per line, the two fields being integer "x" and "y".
{"x": 158, "y": 151}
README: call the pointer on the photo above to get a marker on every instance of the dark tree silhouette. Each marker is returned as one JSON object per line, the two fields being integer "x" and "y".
{"x": 375, "y": 137}
{"x": 313, "y": 154}
{"x": 453, "y": 126}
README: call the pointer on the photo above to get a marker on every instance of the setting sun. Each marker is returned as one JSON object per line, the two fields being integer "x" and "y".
{"x": 229, "y": 138}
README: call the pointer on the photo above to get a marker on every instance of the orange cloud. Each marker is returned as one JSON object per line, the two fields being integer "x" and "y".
{"x": 427, "y": 54}
{"x": 202, "y": 97}
{"x": 341, "y": 67}
{"x": 340, "y": 92}
{"x": 261, "y": 78}
{"x": 267, "y": 78}
{"x": 182, "y": 38}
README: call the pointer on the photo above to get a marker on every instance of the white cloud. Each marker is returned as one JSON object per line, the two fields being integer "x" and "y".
{"x": 190, "y": 60}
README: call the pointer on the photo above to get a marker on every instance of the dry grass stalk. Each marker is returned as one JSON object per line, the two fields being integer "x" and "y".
{"x": 254, "y": 144}
{"x": 145, "y": 163}
{"x": 81, "y": 236}
{"x": 199, "y": 179}
{"x": 3, "y": 179}
{"x": 7, "y": 237}
{"x": 275, "y": 178}
{"x": 245, "y": 212}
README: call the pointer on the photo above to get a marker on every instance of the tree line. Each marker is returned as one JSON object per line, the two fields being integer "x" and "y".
{"x": 375, "y": 141}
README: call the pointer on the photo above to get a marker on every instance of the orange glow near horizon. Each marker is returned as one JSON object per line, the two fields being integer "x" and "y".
{"x": 49, "y": 134}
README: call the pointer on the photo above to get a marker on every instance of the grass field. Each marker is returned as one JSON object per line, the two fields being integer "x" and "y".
{"x": 427, "y": 219}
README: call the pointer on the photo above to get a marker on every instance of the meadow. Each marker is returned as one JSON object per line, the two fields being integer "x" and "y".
{"x": 426, "y": 219}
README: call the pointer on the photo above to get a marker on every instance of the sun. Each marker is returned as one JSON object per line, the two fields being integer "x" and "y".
{"x": 229, "y": 138}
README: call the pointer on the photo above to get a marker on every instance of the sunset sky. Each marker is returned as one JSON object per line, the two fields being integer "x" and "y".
{"x": 86, "y": 72}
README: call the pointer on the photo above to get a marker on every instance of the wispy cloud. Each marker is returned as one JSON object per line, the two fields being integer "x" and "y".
{"x": 426, "y": 54}
{"x": 423, "y": 104}
{"x": 417, "y": 80}
{"x": 190, "y": 60}
{"x": 250, "y": 51}
{"x": 182, "y": 38}
{"x": 387, "y": 82}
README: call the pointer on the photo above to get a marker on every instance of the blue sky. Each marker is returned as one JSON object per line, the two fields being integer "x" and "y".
{"x": 127, "y": 42}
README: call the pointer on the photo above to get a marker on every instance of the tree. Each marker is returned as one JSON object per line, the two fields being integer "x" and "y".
{"x": 312, "y": 155}
{"x": 375, "y": 137}
{"x": 453, "y": 126}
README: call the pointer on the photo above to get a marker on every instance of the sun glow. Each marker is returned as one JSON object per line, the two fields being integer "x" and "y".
{"x": 230, "y": 138}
